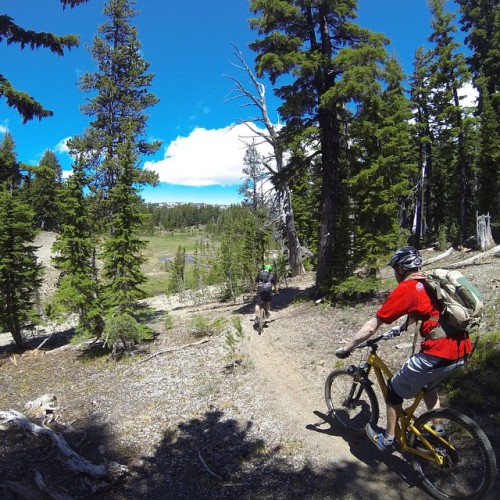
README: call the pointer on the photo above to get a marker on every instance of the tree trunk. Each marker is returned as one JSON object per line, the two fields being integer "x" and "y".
{"x": 330, "y": 144}
{"x": 295, "y": 257}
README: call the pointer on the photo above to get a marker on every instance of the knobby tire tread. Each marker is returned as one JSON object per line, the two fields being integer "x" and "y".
{"x": 470, "y": 471}
{"x": 352, "y": 416}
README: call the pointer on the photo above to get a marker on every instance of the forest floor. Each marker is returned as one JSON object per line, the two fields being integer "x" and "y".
{"x": 188, "y": 423}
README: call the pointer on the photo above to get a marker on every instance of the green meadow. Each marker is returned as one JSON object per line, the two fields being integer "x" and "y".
{"x": 162, "y": 248}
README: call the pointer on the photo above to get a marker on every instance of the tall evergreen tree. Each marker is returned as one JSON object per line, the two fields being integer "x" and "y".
{"x": 251, "y": 188}
{"x": 120, "y": 98}
{"x": 481, "y": 22}
{"x": 113, "y": 146}
{"x": 423, "y": 137}
{"x": 452, "y": 173}
{"x": 10, "y": 172}
{"x": 382, "y": 167}
{"x": 20, "y": 273}
{"x": 43, "y": 191}
{"x": 26, "y": 105}
{"x": 74, "y": 255}
{"x": 316, "y": 44}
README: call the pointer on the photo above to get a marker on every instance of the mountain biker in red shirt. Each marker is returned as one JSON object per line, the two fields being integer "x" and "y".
{"x": 442, "y": 349}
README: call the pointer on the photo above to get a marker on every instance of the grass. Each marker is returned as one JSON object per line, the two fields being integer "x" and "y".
{"x": 477, "y": 387}
{"x": 165, "y": 246}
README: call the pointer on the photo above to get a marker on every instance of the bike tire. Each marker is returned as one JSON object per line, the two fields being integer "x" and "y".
{"x": 469, "y": 467}
{"x": 261, "y": 320}
{"x": 353, "y": 404}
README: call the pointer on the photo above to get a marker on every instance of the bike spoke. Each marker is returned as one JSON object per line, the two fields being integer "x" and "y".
{"x": 349, "y": 402}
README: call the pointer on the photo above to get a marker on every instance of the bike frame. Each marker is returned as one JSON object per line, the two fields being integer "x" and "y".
{"x": 407, "y": 418}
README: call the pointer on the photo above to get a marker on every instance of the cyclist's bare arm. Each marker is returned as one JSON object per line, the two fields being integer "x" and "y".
{"x": 365, "y": 332}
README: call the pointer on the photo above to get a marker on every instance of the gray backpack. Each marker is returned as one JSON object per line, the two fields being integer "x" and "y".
{"x": 264, "y": 282}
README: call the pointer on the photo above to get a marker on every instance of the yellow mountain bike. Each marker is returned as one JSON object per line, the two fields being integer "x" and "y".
{"x": 457, "y": 465}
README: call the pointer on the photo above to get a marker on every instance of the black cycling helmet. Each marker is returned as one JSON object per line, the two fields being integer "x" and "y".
{"x": 407, "y": 257}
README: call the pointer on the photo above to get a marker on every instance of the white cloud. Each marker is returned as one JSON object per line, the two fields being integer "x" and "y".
{"x": 468, "y": 96}
{"x": 62, "y": 145}
{"x": 206, "y": 157}
{"x": 4, "y": 128}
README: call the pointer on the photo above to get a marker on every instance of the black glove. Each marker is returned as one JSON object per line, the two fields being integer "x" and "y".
{"x": 340, "y": 353}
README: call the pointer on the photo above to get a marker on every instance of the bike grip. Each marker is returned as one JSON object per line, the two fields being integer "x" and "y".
{"x": 340, "y": 353}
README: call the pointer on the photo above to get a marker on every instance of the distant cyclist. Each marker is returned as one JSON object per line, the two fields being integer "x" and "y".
{"x": 265, "y": 281}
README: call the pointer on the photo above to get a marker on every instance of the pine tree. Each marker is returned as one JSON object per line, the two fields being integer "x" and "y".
{"x": 481, "y": 22}
{"x": 74, "y": 255}
{"x": 452, "y": 172}
{"x": 10, "y": 172}
{"x": 381, "y": 168}
{"x": 112, "y": 147}
{"x": 177, "y": 272}
{"x": 327, "y": 57}
{"x": 26, "y": 105}
{"x": 251, "y": 189}
{"x": 120, "y": 99}
{"x": 423, "y": 138}
{"x": 20, "y": 273}
{"x": 43, "y": 191}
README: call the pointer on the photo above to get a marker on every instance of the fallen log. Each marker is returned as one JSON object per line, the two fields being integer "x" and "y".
{"x": 471, "y": 261}
{"x": 75, "y": 462}
{"x": 438, "y": 257}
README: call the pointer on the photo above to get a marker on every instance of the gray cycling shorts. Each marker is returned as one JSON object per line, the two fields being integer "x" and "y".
{"x": 422, "y": 370}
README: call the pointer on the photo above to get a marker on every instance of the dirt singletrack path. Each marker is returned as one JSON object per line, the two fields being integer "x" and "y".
{"x": 355, "y": 467}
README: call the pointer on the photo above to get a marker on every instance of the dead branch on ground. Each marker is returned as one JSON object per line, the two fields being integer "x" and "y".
{"x": 75, "y": 462}
{"x": 171, "y": 349}
{"x": 439, "y": 257}
{"x": 473, "y": 260}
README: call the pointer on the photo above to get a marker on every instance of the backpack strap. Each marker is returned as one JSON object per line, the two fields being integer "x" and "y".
{"x": 436, "y": 333}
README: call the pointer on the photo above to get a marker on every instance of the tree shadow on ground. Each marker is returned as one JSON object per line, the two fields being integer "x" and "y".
{"x": 366, "y": 453}
{"x": 22, "y": 455}
{"x": 214, "y": 457}
{"x": 281, "y": 301}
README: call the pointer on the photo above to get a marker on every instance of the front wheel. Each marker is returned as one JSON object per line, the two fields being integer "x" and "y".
{"x": 468, "y": 465}
{"x": 352, "y": 403}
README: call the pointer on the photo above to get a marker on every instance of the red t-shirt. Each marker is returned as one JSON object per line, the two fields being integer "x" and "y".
{"x": 410, "y": 297}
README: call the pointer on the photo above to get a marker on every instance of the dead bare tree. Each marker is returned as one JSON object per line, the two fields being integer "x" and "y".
{"x": 483, "y": 231}
{"x": 275, "y": 164}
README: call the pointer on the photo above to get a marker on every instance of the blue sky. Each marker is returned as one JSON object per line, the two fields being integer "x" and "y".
{"x": 188, "y": 44}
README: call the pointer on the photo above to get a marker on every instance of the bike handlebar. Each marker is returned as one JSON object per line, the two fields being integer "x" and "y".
{"x": 390, "y": 334}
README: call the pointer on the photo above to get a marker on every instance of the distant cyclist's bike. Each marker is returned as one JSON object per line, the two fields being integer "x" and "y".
{"x": 457, "y": 465}
{"x": 261, "y": 320}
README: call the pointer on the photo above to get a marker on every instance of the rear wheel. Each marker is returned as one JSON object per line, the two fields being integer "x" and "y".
{"x": 353, "y": 404}
{"x": 468, "y": 467}
{"x": 261, "y": 320}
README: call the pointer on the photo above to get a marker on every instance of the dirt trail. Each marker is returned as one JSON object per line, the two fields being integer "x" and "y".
{"x": 280, "y": 372}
